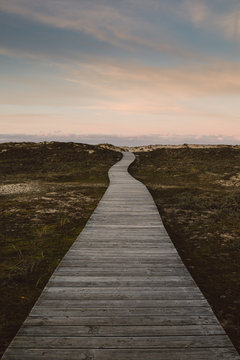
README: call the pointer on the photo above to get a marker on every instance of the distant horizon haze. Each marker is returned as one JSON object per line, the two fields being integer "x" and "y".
{"x": 146, "y": 140}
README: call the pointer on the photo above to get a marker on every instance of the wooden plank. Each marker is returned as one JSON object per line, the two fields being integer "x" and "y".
{"x": 96, "y": 342}
{"x": 115, "y": 271}
{"x": 124, "y": 354}
{"x": 125, "y": 262}
{"x": 132, "y": 331}
{"x": 163, "y": 320}
{"x": 97, "y": 312}
{"x": 79, "y": 281}
{"x": 120, "y": 303}
{"x": 148, "y": 259}
{"x": 164, "y": 263}
{"x": 106, "y": 245}
{"x": 102, "y": 293}
{"x": 161, "y": 252}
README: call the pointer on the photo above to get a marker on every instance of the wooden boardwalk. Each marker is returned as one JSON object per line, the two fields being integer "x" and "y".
{"x": 121, "y": 292}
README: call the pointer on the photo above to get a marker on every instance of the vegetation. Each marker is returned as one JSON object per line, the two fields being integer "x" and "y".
{"x": 47, "y": 193}
{"x": 49, "y": 190}
{"x": 197, "y": 192}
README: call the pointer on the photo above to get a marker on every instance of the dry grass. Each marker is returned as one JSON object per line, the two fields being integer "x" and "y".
{"x": 198, "y": 196}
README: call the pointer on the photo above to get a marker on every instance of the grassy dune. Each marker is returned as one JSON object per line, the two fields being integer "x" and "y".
{"x": 49, "y": 190}
{"x": 47, "y": 193}
{"x": 197, "y": 191}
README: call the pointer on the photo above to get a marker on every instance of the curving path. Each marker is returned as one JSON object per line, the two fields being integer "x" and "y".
{"x": 121, "y": 292}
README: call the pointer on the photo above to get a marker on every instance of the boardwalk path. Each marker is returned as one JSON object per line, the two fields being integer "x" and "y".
{"x": 122, "y": 292}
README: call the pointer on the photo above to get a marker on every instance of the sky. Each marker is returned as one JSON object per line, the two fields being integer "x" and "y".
{"x": 128, "y": 72}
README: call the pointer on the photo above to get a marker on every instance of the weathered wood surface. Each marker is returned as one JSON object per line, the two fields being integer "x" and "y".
{"x": 122, "y": 292}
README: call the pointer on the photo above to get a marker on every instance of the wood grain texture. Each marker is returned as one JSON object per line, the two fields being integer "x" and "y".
{"x": 122, "y": 292}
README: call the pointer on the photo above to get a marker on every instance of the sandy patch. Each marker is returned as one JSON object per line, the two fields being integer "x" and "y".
{"x": 20, "y": 188}
{"x": 233, "y": 181}
{"x": 47, "y": 211}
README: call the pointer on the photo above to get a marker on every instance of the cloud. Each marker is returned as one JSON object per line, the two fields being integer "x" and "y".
{"x": 183, "y": 82}
{"x": 134, "y": 27}
{"x": 100, "y": 20}
{"x": 196, "y": 11}
{"x": 230, "y": 24}
{"x": 206, "y": 15}
{"x": 125, "y": 26}
{"x": 23, "y": 54}
{"x": 130, "y": 88}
